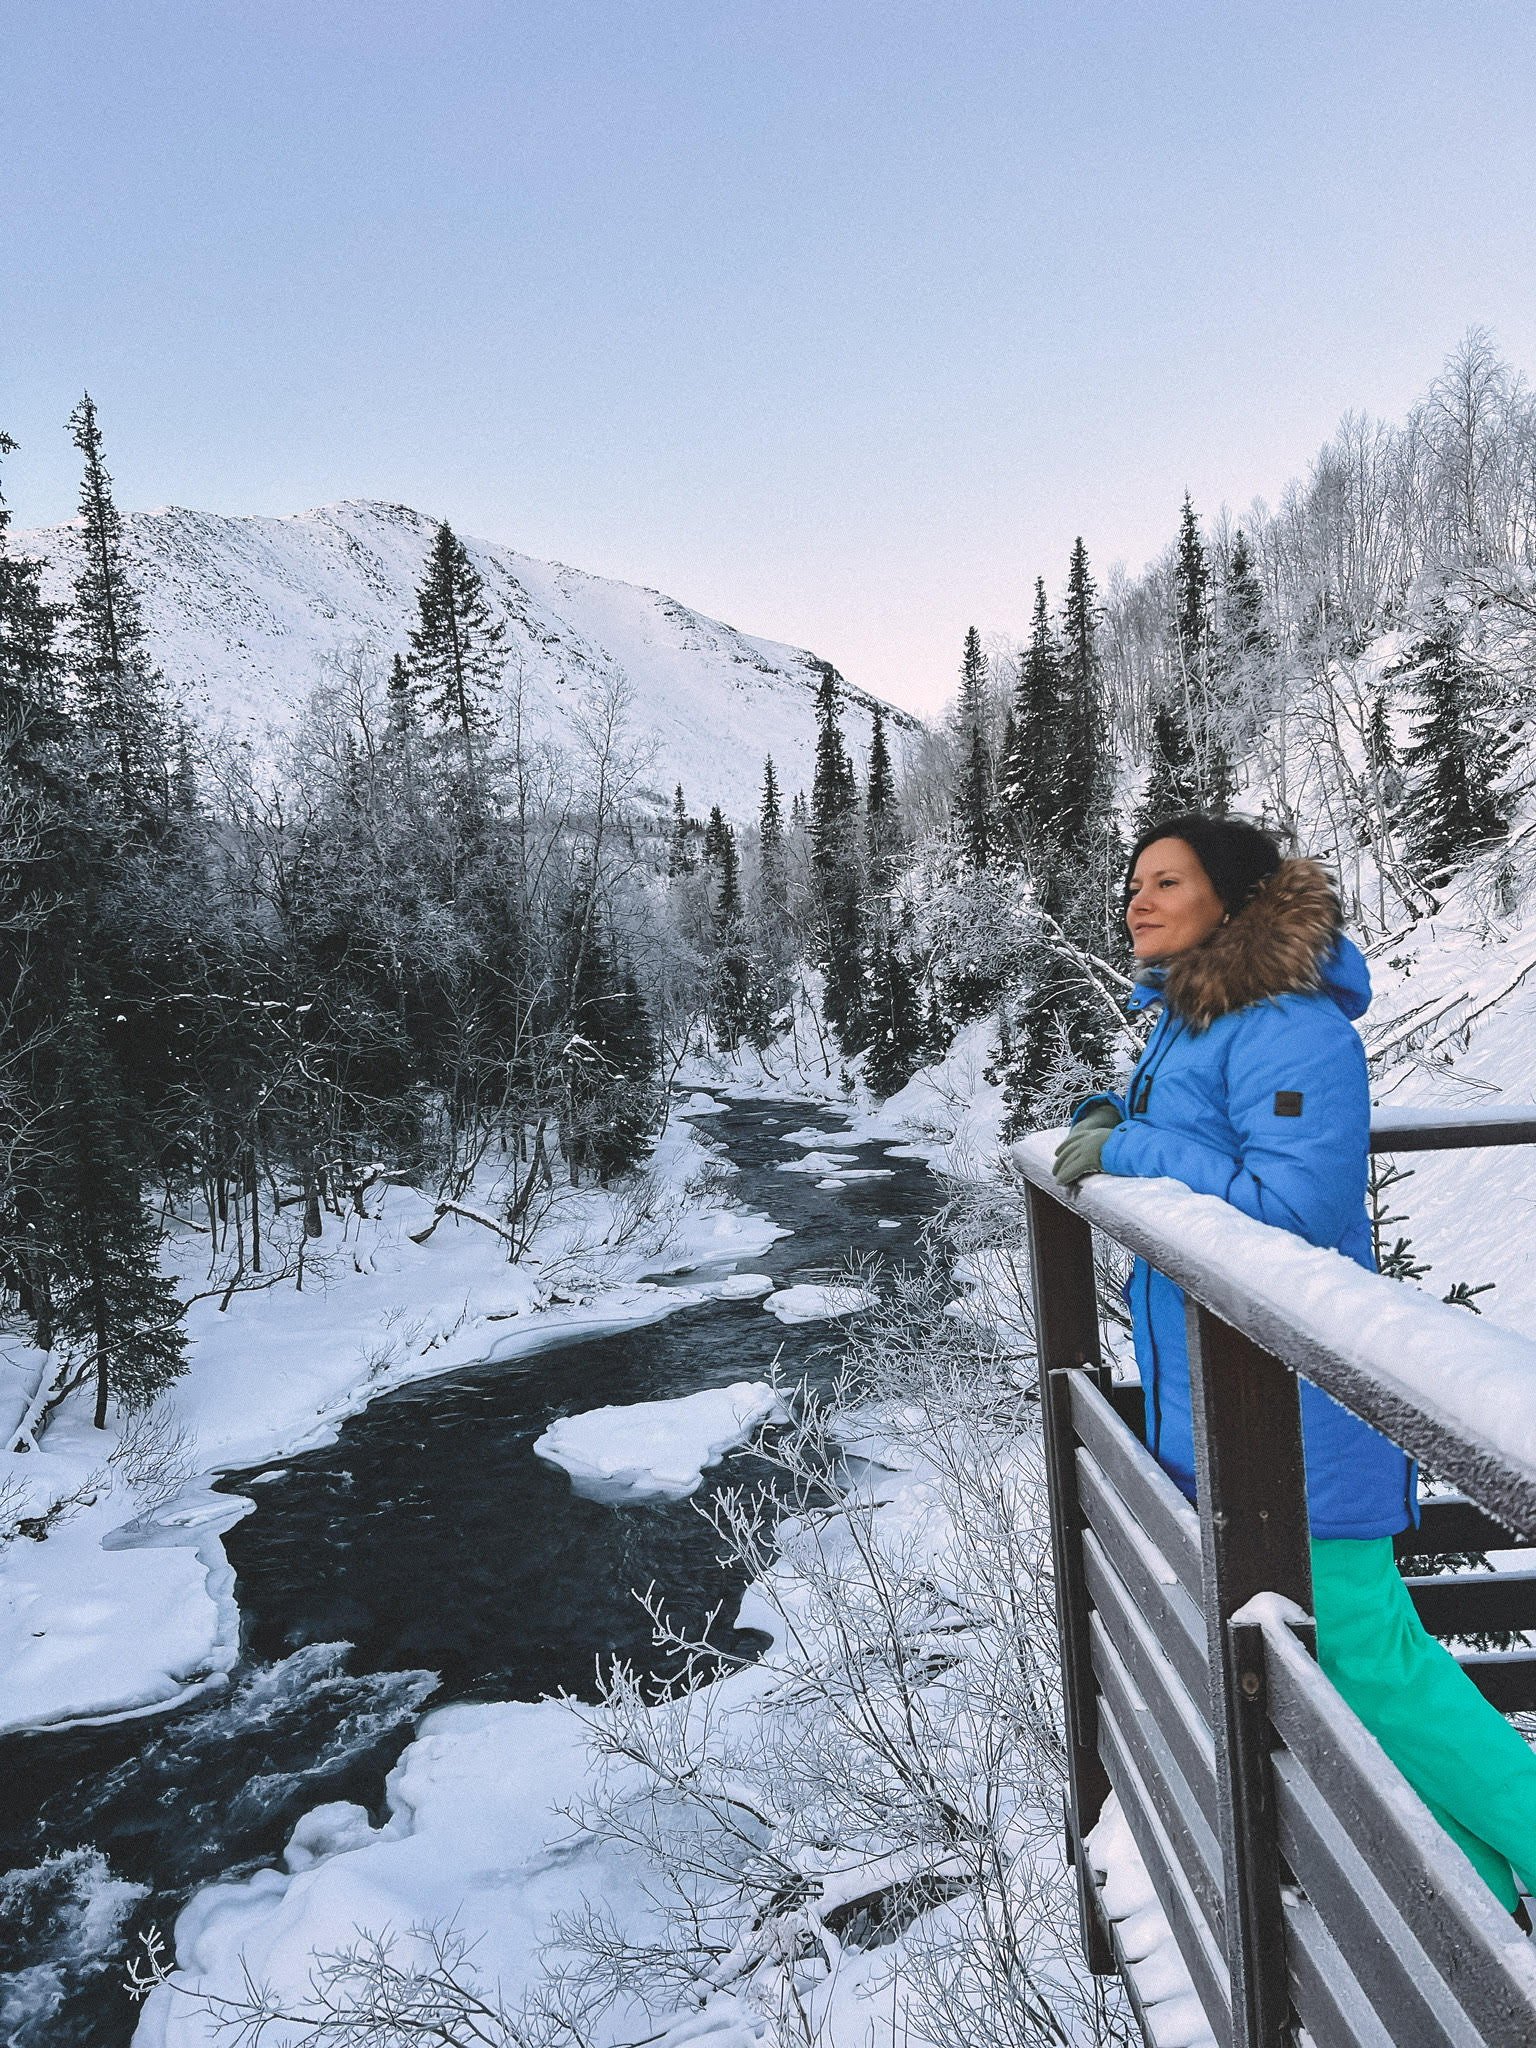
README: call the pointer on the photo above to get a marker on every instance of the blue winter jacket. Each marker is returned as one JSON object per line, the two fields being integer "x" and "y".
{"x": 1266, "y": 1104}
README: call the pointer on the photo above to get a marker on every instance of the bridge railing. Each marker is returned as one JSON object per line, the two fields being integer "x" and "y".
{"x": 1303, "y": 1880}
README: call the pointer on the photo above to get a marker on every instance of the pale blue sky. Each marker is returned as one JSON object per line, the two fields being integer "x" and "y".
{"x": 835, "y": 318}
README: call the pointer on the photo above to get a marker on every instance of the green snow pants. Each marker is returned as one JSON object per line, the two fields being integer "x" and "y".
{"x": 1474, "y": 1772}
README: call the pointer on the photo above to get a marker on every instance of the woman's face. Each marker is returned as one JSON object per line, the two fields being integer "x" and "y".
{"x": 1172, "y": 905}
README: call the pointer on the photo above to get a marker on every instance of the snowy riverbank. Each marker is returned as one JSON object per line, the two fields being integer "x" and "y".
{"x": 127, "y": 1604}
{"x": 491, "y": 1832}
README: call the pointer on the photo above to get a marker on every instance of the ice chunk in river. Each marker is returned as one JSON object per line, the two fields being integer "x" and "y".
{"x": 745, "y": 1286}
{"x": 810, "y": 1304}
{"x": 657, "y": 1450}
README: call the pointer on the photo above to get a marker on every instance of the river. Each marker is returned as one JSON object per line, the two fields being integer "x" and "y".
{"x": 426, "y": 1556}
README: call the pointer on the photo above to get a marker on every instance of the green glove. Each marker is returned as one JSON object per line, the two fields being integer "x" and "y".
{"x": 1098, "y": 1116}
{"x": 1079, "y": 1152}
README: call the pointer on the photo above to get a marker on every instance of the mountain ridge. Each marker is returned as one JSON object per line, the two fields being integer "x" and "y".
{"x": 247, "y": 612}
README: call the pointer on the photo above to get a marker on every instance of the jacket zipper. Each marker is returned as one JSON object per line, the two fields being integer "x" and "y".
{"x": 1150, "y": 1061}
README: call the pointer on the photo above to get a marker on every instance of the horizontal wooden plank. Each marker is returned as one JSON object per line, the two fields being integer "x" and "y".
{"x": 1326, "y": 1999}
{"x": 1452, "y": 1522}
{"x": 1452, "y": 1915}
{"x": 1374, "y": 1943}
{"x": 1181, "y": 1716}
{"x": 1141, "y": 1482}
{"x": 1188, "y": 1831}
{"x": 1202, "y": 1953}
{"x": 1505, "y": 1678}
{"x": 1175, "y": 1619}
{"x": 1469, "y": 1603}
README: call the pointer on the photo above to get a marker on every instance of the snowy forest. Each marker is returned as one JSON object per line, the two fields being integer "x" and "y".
{"x": 417, "y": 945}
{"x": 245, "y": 990}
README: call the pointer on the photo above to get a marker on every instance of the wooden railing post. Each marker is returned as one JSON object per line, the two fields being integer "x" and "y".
{"x": 1251, "y": 1482}
{"x": 1067, "y": 1338}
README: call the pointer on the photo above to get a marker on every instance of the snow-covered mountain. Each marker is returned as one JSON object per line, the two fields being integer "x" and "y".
{"x": 246, "y": 614}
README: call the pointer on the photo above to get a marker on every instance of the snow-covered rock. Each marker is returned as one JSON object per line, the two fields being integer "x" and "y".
{"x": 657, "y": 1450}
{"x": 819, "y": 1165}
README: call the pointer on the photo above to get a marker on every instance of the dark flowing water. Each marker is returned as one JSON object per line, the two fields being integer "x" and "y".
{"x": 426, "y": 1556}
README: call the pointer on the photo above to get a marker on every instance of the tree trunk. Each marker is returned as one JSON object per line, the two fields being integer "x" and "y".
{"x": 314, "y": 1223}
{"x": 253, "y": 1183}
{"x": 101, "y": 1362}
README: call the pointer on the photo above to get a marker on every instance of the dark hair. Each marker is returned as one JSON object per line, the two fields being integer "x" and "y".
{"x": 1236, "y": 854}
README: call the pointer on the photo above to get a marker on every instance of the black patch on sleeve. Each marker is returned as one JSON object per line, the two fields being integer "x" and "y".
{"x": 1288, "y": 1102}
{"x": 1144, "y": 1096}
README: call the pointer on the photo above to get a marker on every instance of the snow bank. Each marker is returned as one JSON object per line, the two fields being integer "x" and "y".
{"x": 807, "y": 1303}
{"x": 657, "y": 1450}
{"x": 1174, "y": 2012}
{"x": 949, "y": 1114}
{"x": 105, "y": 1629}
{"x": 476, "y": 1834}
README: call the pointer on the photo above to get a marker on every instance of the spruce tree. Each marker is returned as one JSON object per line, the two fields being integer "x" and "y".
{"x": 1458, "y": 753}
{"x": 1061, "y": 1029}
{"x": 1029, "y": 780}
{"x": 30, "y": 676}
{"x": 400, "y": 706}
{"x": 51, "y": 856}
{"x": 832, "y": 778}
{"x": 882, "y": 826}
{"x": 772, "y": 853}
{"x": 121, "y": 693}
{"x": 974, "y": 789}
{"x": 1192, "y": 699}
{"x": 1174, "y": 781}
{"x": 835, "y": 870}
{"x": 731, "y": 973}
{"x": 720, "y": 852}
{"x": 111, "y": 1298}
{"x": 679, "y": 846}
{"x": 607, "y": 1058}
{"x": 1243, "y": 602}
{"x": 1191, "y": 596}
{"x": 895, "y": 1023}
{"x": 1084, "y": 784}
{"x": 457, "y": 649}
{"x": 34, "y": 727}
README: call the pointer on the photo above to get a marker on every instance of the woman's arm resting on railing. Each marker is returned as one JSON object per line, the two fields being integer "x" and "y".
{"x": 1299, "y": 1103}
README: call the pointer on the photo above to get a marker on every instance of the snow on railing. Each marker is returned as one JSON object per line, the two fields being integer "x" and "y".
{"x": 1452, "y": 1389}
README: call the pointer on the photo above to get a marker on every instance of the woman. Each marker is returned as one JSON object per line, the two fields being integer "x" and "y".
{"x": 1253, "y": 1087}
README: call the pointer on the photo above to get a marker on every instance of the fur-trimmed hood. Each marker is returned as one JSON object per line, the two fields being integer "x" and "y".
{"x": 1288, "y": 939}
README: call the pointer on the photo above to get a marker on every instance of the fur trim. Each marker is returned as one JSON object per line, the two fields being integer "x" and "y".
{"x": 1275, "y": 945}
